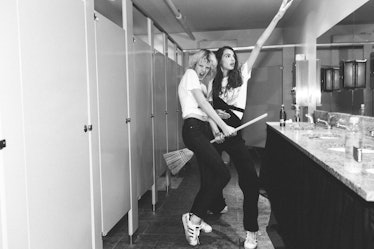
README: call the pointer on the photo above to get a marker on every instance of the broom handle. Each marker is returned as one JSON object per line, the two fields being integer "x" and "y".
{"x": 246, "y": 124}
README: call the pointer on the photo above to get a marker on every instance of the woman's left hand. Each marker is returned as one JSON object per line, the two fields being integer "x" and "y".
{"x": 222, "y": 114}
{"x": 219, "y": 137}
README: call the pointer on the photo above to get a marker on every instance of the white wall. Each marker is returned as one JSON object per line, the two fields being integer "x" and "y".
{"x": 313, "y": 18}
{"x": 234, "y": 38}
{"x": 348, "y": 33}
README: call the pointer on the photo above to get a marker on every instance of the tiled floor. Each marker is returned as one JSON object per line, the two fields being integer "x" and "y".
{"x": 163, "y": 229}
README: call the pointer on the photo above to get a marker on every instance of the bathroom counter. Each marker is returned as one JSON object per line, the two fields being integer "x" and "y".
{"x": 318, "y": 200}
{"x": 326, "y": 147}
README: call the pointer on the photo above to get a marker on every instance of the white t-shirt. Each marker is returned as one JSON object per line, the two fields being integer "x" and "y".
{"x": 235, "y": 96}
{"x": 189, "y": 82}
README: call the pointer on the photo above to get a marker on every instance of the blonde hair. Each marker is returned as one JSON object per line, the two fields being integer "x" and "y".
{"x": 207, "y": 56}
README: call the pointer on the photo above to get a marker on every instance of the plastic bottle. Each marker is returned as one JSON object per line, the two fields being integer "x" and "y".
{"x": 353, "y": 145}
{"x": 282, "y": 116}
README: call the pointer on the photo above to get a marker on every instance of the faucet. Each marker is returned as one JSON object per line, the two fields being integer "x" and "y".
{"x": 310, "y": 118}
{"x": 331, "y": 117}
{"x": 371, "y": 133}
{"x": 324, "y": 122}
{"x": 339, "y": 125}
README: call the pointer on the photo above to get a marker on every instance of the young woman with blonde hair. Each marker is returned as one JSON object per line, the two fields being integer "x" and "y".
{"x": 200, "y": 125}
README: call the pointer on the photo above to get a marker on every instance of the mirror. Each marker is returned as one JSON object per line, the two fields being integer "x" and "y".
{"x": 348, "y": 43}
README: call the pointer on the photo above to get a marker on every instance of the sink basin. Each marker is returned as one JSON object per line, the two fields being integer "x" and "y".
{"x": 323, "y": 136}
{"x": 342, "y": 149}
{"x": 338, "y": 149}
{"x": 329, "y": 137}
{"x": 300, "y": 126}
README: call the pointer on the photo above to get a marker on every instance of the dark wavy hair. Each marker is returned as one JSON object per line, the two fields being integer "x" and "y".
{"x": 234, "y": 76}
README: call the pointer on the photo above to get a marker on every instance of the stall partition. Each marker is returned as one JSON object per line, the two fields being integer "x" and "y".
{"x": 140, "y": 113}
{"x": 172, "y": 104}
{"x": 159, "y": 91}
{"x": 113, "y": 134}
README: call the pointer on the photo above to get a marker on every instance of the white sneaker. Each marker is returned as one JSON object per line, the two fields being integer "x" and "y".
{"x": 205, "y": 227}
{"x": 251, "y": 240}
{"x": 223, "y": 211}
{"x": 191, "y": 231}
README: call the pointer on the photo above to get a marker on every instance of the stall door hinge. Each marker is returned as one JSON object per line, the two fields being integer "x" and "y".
{"x": 2, "y": 144}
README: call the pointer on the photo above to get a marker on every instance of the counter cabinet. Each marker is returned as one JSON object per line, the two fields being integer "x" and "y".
{"x": 313, "y": 208}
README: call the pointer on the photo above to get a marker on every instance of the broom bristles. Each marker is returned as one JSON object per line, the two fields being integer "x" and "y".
{"x": 176, "y": 160}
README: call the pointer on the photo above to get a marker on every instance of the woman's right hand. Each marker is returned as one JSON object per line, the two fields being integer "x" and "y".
{"x": 222, "y": 114}
{"x": 284, "y": 6}
{"x": 229, "y": 131}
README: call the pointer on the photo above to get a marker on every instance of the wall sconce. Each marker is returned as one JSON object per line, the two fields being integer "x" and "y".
{"x": 330, "y": 79}
{"x": 354, "y": 74}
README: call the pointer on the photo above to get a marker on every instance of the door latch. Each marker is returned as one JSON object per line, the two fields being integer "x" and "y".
{"x": 87, "y": 128}
{"x": 2, "y": 144}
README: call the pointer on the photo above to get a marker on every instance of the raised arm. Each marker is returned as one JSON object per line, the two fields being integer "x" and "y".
{"x": 265, "y": 35}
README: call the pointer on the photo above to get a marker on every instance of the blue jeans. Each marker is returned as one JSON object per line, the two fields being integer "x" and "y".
{"x": 214, "y": 175}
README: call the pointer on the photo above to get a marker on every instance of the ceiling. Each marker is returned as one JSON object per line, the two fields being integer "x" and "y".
{"x": 213, "y": 15}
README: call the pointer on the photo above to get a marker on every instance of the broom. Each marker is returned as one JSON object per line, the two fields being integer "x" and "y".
{"x": 176, "y": 160}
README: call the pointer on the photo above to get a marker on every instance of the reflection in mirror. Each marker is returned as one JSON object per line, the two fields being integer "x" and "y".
{"x": 349, "y": 44}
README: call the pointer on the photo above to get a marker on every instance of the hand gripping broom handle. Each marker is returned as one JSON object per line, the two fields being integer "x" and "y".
{"x": 246, "y": 124}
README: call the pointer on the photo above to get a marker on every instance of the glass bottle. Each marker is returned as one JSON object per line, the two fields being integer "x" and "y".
{"x": 362, "y": 110}
{"x": 282, "y": 116}
{"x": 297, "y": 114}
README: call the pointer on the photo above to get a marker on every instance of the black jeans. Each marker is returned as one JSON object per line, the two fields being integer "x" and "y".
{"x": 214, "y": 174}
{"x": 248, "y": 181}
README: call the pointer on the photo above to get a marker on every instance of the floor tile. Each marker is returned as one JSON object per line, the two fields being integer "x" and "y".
{"x": 163, "y": 228}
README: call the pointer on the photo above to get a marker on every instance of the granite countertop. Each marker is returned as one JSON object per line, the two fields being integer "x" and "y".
{"x": 326, "y": 147}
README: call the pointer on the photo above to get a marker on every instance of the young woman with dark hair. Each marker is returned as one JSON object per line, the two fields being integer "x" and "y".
{"x": 228, "y": 93}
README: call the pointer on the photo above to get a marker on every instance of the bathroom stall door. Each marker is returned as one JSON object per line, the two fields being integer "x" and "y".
{"x": 140, "y": 113}
{"x": 172, "y": 104}
{"x": 53, "y": 52}
{"x": 13, "y": 191}
{"x": 112, "y": 106}
{"x": 159, "y": 112}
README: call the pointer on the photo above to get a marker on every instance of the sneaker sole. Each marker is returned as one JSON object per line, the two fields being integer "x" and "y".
{"x": 207, "y": 230}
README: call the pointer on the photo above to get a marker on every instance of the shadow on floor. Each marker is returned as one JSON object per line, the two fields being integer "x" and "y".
{"x": 163, "y": 228}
